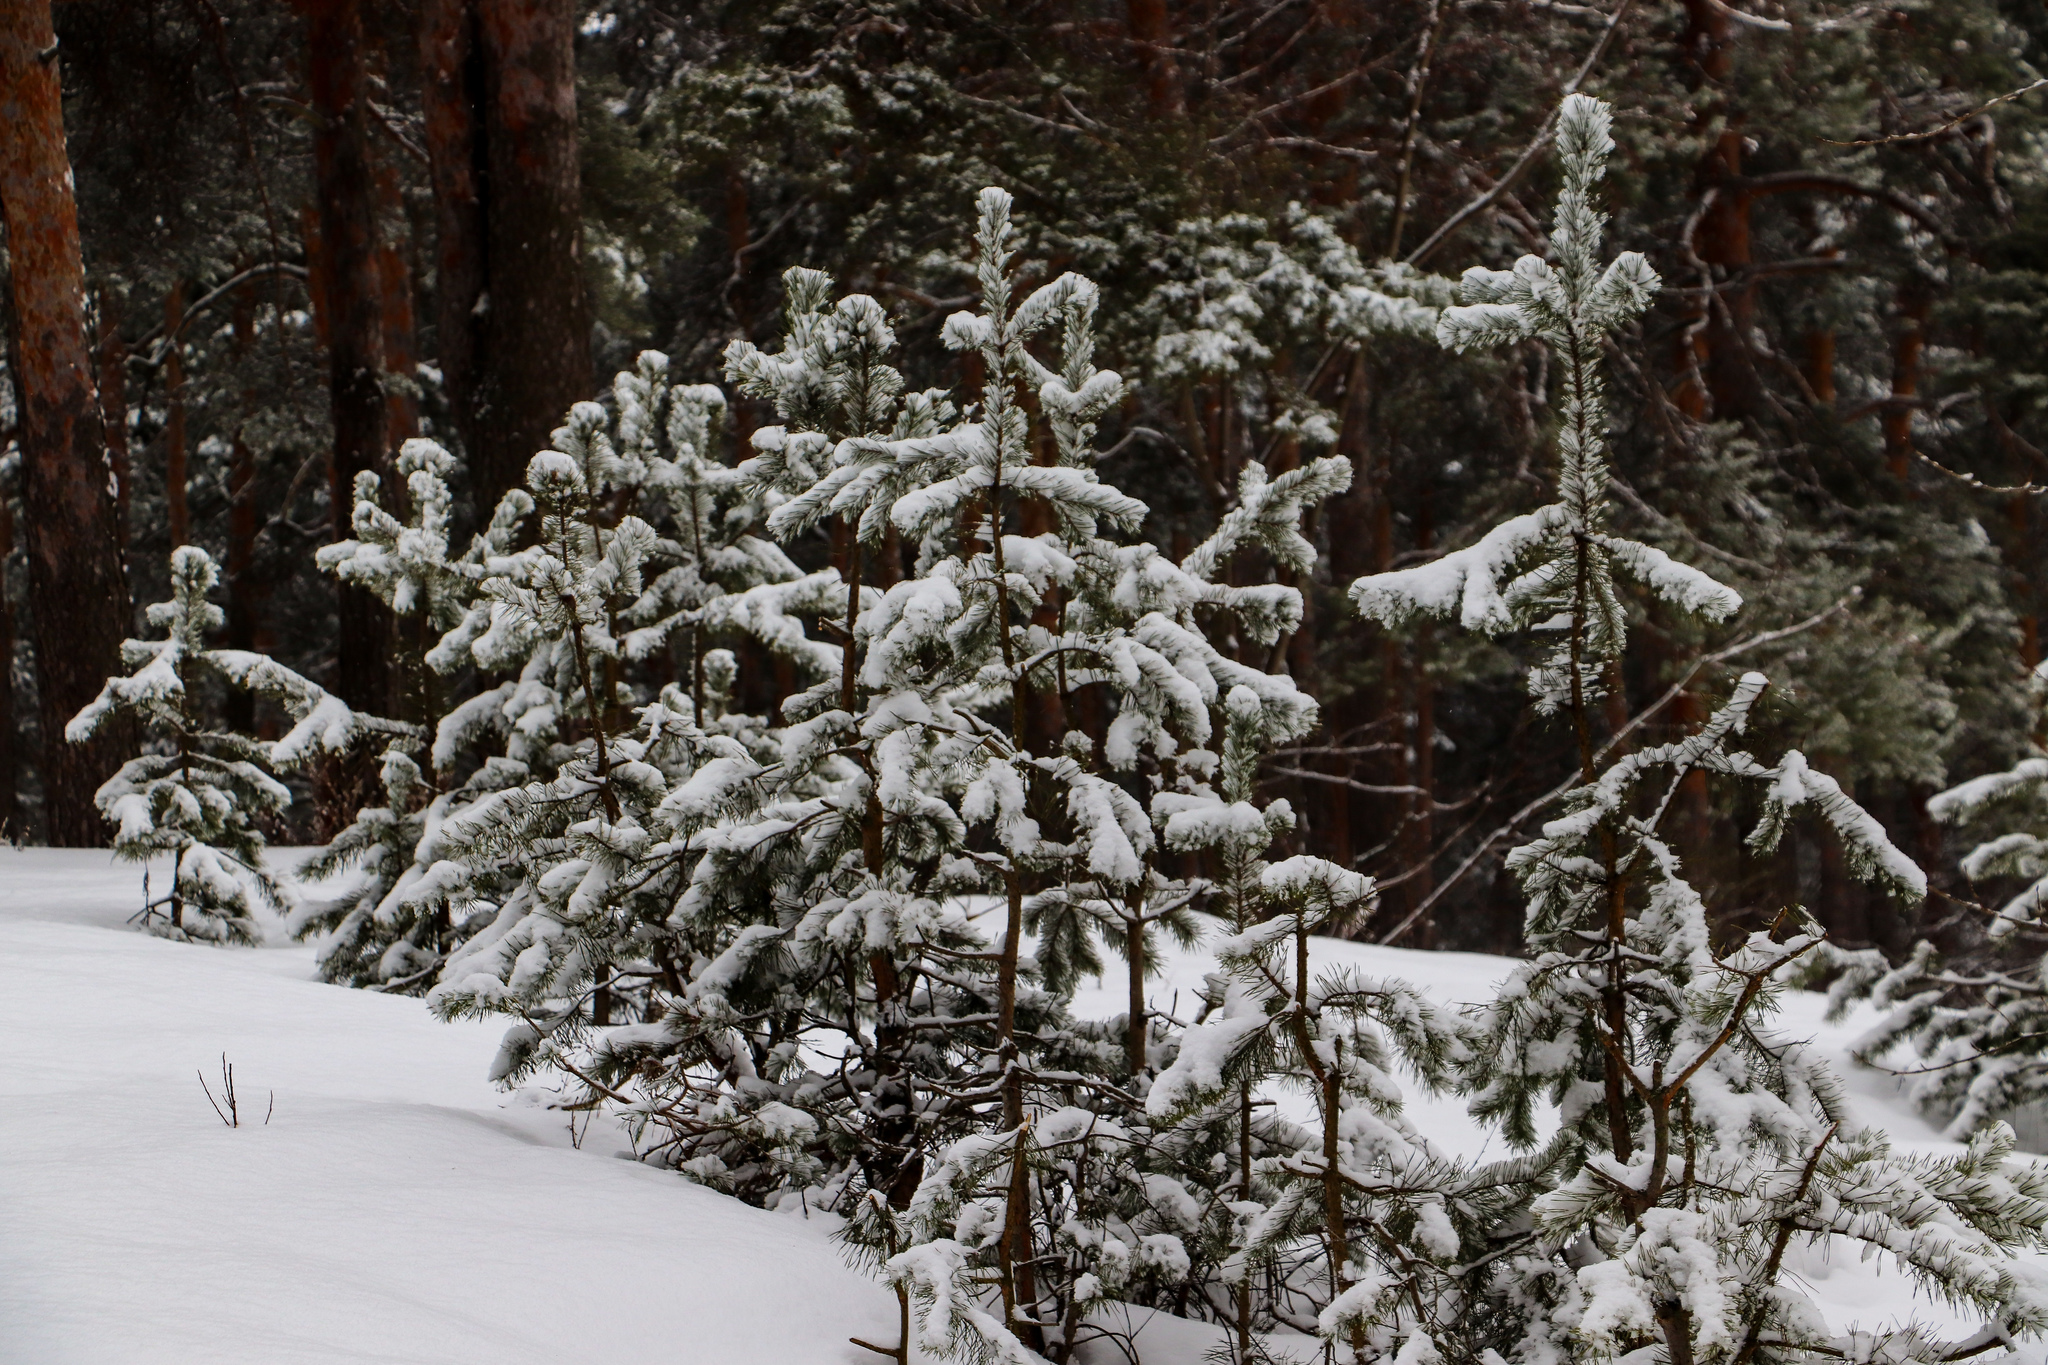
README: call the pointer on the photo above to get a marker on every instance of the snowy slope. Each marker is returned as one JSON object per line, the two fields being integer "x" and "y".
{"x": 399, "y": 1209}
{"x": 395, "y": 1209}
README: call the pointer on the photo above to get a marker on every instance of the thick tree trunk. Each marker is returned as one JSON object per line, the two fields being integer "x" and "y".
{"x": 1150, "y": 29}
{"x": 538, "y": 317}
{"x": 1716, "y": 376}
{"x": 452, "y": 96}
{"x": 68, "y": 484}
{"x": 513, "y": 317}
{"x": 351, "y": 287}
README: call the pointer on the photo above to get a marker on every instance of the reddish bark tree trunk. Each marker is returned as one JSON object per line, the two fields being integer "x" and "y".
{"x": 352, "y": 289}
{"x": 537, "y": 320}
{"x": 1914, "y": 305}
{"x": 1714, "y": 361}
{"x": 514, "y": 319}
{"x": 74, "y": 551}
{"x": 1148, "y": 24}
{"x": 1820, "y": 364}
{"x": 452, "y": 97}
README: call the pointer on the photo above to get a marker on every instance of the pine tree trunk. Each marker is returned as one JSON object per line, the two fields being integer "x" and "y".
{"x": 68, "y": 499}
{"x": 244, "y": 592}
{"x": 512, "y": 319}
{"x": 353, "y": 293}
{"x": 1422, "y": 805}
{"x": 241, "y": 575}
{"x": 1149, "y": 26}
{"x": 738, "y": 233}
{"x": 1015, "y": 1255}
{"x": 452, "y": 97}
{"x": 1907, "y": 348}
{"x": 1721, "y": 239}
{"x": 1244, "y": 1191}
{"x": 1422, "y": 822}
{"x": 536, "y": 315}
{"x": 1820, "y": 363}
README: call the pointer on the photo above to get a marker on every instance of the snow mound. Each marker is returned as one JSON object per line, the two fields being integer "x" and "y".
{"x": 395, "y": 1209}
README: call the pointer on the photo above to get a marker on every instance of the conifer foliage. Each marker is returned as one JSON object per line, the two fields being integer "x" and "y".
{"x": 825, "y": 959}
{"x": 1349, "y": 1225}
{"x": 1970, "y": 1035}
{"x": 388, "y": 925}
{"x": 199, "y": 792}
{"x": 1695, "y": 1144}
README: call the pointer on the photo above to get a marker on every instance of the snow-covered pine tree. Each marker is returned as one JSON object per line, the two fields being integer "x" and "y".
{"x": 386, "y": 928}
{"x": 1695, "y": 1144}
{"x": 1125, "y": 617}
{"x": 1349, "y": 1226}
{"x": 560, "y": 842}
{"x": 562, "y": 855}
{"x": 197, "y": 793}
{"x": 1974, "y": 1031}
{"x": 408, "y": 901}
{"x": 828, "y": 894}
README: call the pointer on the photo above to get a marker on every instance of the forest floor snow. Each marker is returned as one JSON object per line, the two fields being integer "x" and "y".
{"x": 396, "y": 1208}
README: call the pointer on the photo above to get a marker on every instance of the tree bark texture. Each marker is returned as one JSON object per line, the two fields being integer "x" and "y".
{"x": 68, "y": 483}
{"x": 451, "y": 97}
{"x": 513, "y": 315}
{"x": 352, "y": 289}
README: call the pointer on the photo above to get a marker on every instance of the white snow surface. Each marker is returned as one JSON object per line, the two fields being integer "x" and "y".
{"x": 397, "y": 1208}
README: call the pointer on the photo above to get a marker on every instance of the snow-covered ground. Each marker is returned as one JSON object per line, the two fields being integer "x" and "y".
{"x": 396, "y": 1208}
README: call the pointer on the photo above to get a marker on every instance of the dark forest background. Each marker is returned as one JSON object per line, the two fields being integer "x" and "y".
{"x": 305, "y": 232}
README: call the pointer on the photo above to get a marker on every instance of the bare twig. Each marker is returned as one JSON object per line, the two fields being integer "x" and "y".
{"x": 1749, "y": 20}
{"x": 1948, "y": 127}
{"x": 1971, "y": 481}
{"x": 1418, "y": 84}
{"x": 161, "y": 349}
{"x": 231, "y": 1114}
